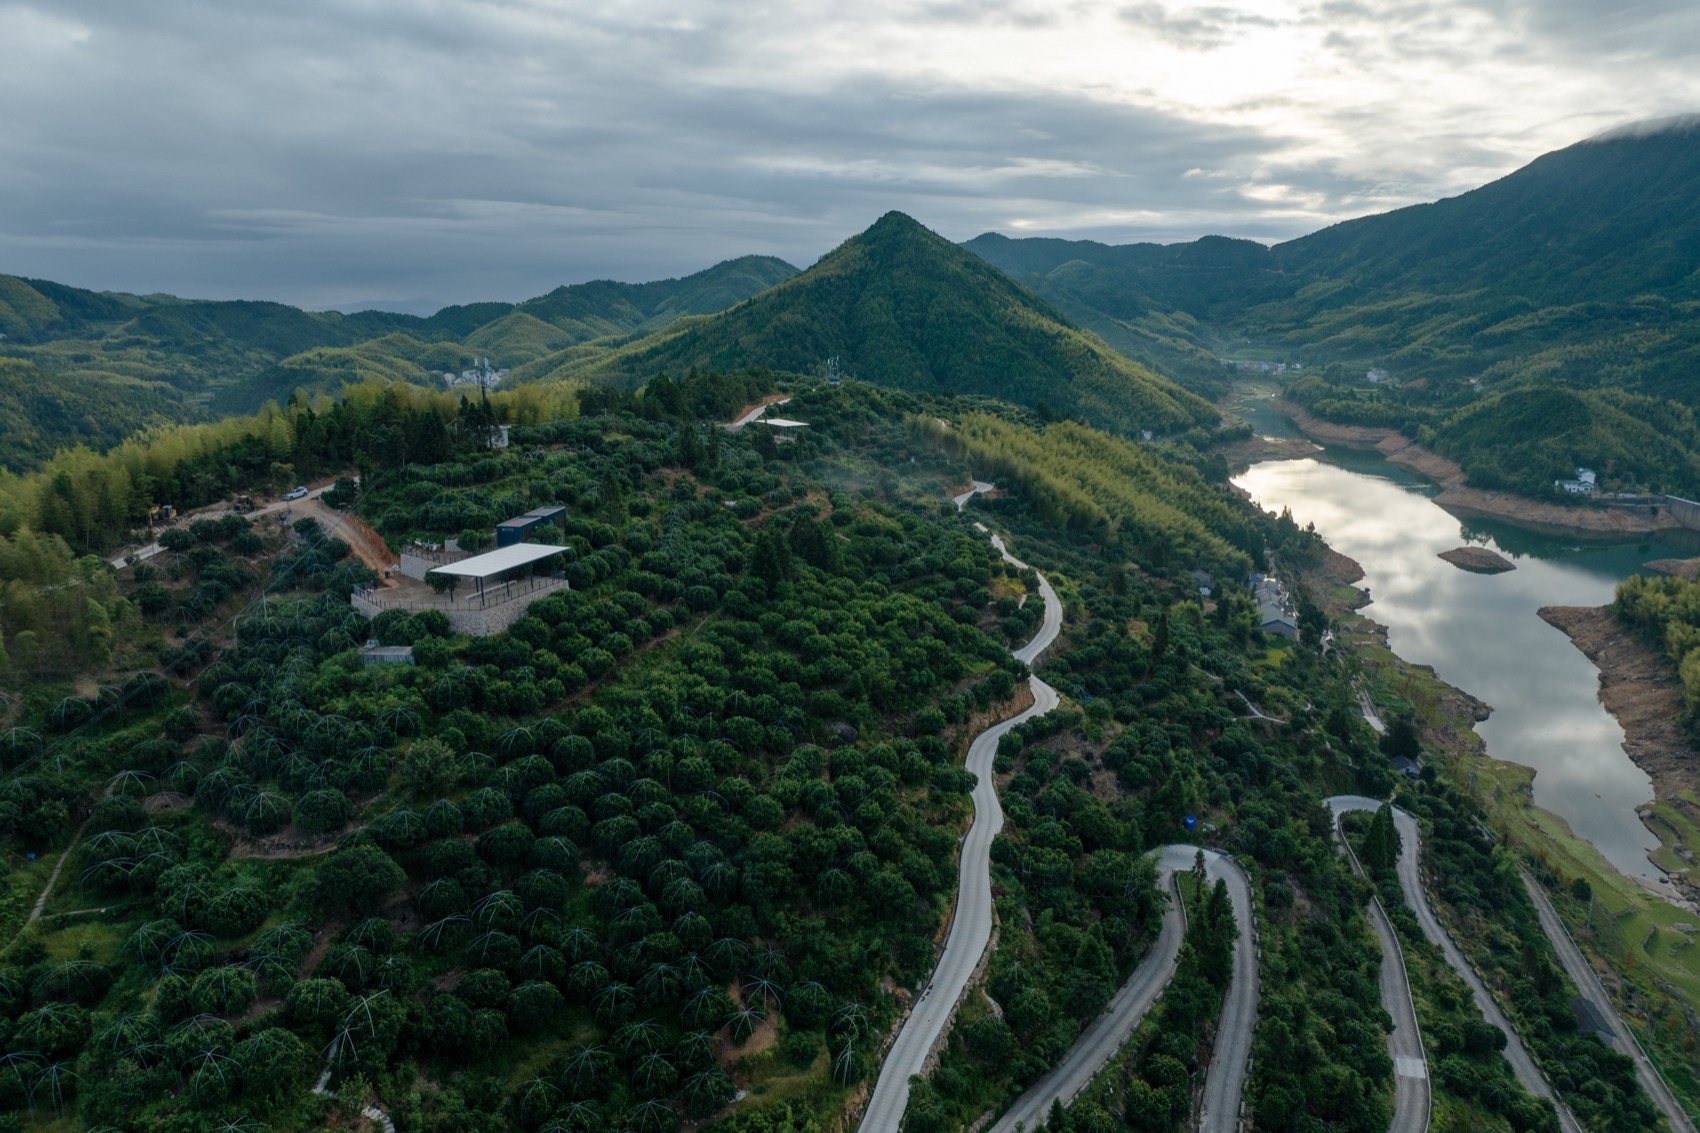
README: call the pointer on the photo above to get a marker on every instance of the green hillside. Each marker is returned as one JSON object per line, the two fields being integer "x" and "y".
{"x": 675, "y": 851}
{"x": 82, "y": 367}
{"x": 1154, "y": 303}
{"x": 901, "y": 306}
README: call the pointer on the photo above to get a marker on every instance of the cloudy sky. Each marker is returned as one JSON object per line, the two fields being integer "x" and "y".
{"x": 412, "y": 153}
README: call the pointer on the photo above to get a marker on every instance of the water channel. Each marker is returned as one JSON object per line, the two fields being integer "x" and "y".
{"x": 1481, "y": 632}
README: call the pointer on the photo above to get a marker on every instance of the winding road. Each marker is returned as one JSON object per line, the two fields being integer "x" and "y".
{"x": 971, "y": 929}
{"x": 1587, "y": 982}
{"x": 971, "y": 924}
{"x": 1101, "y": 1040}
{"x": 1411, "y": 883}
{"x": 1412, "y": 1100}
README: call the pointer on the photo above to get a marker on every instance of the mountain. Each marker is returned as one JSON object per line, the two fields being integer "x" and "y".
{"x": 1152, "y": 302}
{"x": 901, "y": 306}
{"x": 1605, "y": 220}
{"x": 90, "y": 367}
{"x": 1583, "y": 266}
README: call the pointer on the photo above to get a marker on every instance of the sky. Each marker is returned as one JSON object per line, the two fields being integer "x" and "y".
{"x": 407, "y": 154}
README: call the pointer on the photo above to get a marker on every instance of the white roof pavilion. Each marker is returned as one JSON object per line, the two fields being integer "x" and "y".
{"x": 482, "y": 568}
{"x": 492, "y": 563}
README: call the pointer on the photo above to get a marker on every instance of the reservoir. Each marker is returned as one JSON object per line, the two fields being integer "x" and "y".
{"x": 1480, "y": 632}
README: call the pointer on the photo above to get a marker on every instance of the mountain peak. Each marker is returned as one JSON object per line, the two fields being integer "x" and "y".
{"x": 900, "y": 305}
{"x": 1649, "y": 128}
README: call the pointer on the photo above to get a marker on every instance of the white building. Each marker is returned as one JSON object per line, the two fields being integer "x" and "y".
{"x": 1585, "y": 484}
{"x": 1275, "y": 611}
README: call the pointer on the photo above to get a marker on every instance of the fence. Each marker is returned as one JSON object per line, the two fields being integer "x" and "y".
{"x": 481, "y": 615}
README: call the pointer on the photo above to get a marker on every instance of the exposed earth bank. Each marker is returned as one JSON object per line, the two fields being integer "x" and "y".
{"x": 1688, "y": 569}
{"x": 1639, "y": 689}
{"x": 1455, "y": 495}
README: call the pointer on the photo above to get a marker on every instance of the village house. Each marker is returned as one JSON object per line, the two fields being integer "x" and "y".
{"x": 1585, "y": 484}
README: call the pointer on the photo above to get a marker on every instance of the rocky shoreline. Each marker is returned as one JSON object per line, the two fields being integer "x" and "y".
{"x": 1641, "y": 692}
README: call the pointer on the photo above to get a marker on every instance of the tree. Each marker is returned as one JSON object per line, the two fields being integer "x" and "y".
{"x": 771, "y": 560}
{"x": 321, "y": 811}
{"x": 532, "y": 1005}
{"x": 358, "y": 879}
{"x": 1381, "y": 842}
{"x": 223, "y": 991}
{"x": 272, "y": 1062}
{"x": 1402, "y": 738}
{"x": 315, "y": 1005}
{"x": 430, "y": 766}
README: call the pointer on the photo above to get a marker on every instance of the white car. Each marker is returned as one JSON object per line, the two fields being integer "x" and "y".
{"x": 297, "y": 493}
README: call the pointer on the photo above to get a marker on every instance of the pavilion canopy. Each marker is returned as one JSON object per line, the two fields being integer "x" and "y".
{"x": 493, "y": 563}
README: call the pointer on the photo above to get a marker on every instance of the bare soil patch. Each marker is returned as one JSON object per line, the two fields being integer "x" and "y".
{"x": 366, "y": 543}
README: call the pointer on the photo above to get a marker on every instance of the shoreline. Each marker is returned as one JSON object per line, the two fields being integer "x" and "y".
{"x": 1455, "y": 496}
{"x": 1639, "y": 690}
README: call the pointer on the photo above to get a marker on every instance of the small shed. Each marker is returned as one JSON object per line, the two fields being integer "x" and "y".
{"x": 374, "y": 654}
{"x": 1406, "y": 766}
{"x": 511, "y": 531}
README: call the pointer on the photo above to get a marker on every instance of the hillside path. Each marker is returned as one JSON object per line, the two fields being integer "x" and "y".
{"x": 975, "y": 487}
{"x": 1587, "y": 983}
{"x": 971, "y": 924}
{"x": 1411, "y": 884}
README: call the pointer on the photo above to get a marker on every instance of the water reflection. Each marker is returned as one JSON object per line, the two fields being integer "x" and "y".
{"x": 1481, "y": 632}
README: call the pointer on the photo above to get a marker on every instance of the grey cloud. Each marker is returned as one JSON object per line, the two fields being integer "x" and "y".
{"x": 1193, "y": 28}
{"x": 409, "y": 155}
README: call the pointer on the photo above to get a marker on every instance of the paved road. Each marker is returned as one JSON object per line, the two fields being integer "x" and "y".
{"x": 754, "y": 413}
{"x": 1582, "y": 974}
{"x": 1411, "y": 1096}
{"x": 971, "y": 925}
{"x": 1225, "y": 1084}
{"x": 1107, "y": 1033}
{"x": 1411, "y": 883}
{"x": 978, "y": 487}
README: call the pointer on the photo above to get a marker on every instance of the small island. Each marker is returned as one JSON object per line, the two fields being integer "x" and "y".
{"x": 1479, "y": 560}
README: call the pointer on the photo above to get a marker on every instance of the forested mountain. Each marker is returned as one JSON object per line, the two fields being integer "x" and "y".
{"x": 85, "y": 367}
{"x": 1579, "y": 270}
{"x": 901, "y": 306}
{"x": 1592, "y": 245}
{"x": 1156, "y": 303}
